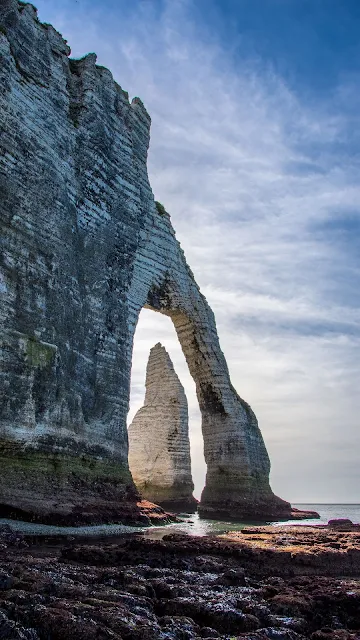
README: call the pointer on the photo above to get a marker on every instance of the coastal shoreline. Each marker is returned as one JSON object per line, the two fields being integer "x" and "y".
{"x": 283, "y": 582}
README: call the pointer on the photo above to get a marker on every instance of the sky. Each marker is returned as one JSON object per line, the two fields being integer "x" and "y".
{"x": 255, "y": 152}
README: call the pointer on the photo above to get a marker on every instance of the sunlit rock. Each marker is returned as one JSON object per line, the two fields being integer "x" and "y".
{"x": 159, "y": 446}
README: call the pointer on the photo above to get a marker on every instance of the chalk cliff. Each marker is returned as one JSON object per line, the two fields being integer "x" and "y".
{"x": 85, "y": 248}
{"x": 159, "y": 446}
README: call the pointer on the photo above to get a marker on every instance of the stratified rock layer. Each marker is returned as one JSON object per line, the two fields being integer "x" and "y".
{"x": 85, "y": 248}
{"x": 159, "y": 446}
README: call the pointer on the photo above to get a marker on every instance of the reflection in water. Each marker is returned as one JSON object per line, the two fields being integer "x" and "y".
{"x": 191, "y": 524}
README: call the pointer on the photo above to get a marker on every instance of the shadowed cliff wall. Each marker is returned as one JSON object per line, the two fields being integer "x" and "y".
{"x": 84, "y": 249}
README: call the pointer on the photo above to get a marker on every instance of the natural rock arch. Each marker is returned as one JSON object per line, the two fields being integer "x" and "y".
{"x": 238, "y": 466}
{"x": 86, "y": 248}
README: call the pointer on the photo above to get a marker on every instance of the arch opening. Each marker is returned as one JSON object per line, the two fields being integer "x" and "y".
{"x": 155, "y": 328}
{"x": 237, "y": 462}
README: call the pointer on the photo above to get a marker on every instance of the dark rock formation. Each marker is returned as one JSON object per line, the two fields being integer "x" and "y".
{"x": 301, "y": 514}
{"x": 85, "y": 248}
{"x": 343, "y": 524}
{"x": 177, "y": 588}
{"x": 159, "y": 446}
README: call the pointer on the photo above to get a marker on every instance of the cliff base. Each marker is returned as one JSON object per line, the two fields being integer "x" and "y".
{"x": 251, "y": 509}
{"x": 67, "y": 490}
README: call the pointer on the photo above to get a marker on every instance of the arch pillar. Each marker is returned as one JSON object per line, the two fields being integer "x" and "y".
{"x": 238, "y": 465}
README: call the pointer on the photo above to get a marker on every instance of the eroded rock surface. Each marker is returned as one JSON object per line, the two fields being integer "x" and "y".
{"x": 180, "y": 588}
{"x": 159, "y": 446}
{"x": 85, "y": 249}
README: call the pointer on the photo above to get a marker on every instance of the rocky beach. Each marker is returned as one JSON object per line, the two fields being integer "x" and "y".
{"x": 86, "y": 249}
{"x": 283, "y": 583}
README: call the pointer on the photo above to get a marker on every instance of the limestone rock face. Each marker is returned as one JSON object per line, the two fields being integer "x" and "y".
{"x": 159, "y": 446}
{"x": 84, "y": 249}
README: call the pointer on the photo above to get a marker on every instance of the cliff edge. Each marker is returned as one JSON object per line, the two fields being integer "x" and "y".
{"x": 84, "y": 250}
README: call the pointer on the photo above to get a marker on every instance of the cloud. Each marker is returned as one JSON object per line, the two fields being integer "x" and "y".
{"x": 262, "y": 186}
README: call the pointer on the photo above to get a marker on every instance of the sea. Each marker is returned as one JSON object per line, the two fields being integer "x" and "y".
{"x": 193, "y": 525}
{"x": 189, "y": 524}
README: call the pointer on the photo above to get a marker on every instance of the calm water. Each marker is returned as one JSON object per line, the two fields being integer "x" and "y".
{"x": 195, "y": 526}
{"x": 191, "y": 524}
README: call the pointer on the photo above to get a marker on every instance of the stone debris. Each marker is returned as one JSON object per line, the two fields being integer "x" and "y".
{"x": 159, "y": 446}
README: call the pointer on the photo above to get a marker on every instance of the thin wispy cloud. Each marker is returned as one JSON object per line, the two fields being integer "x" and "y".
{"x": 262, "y": 185}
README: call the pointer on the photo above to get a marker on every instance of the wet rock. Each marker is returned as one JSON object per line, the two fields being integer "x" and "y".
{"x": 272, "y": 633}
{"x": 179, "y": 627}
{"x": 234, "y": 577}
{"x": 281, "y": 634}
{"x": 208, "y": 632}
{"x": 290, "y": 604}
{"x": 11, "y": 538}
{"x": 301, "y": 514}
{"x": 331, "y": 634}
{"x": 222, "y": 617}
{"x": 10, "y": 630}
{"x": 299, "y": 550}
{"x": 343, "y": 524}
{"x": 6, "y": 581}
{"x": 136, "y": 589}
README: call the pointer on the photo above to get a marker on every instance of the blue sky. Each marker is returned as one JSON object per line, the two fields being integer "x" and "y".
{"x": 310, "y": 43}
{"x": 255, "y": 152}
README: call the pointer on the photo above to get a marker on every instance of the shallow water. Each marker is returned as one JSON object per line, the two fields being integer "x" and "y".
{"x": 330, "y": 512}
{"x": 31, "y": 528}
{"x": 191, "y": 524}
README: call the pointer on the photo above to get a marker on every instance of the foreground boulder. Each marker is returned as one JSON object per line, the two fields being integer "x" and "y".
{"x": 159, "y": 446}
{"x": 86, "y": 248}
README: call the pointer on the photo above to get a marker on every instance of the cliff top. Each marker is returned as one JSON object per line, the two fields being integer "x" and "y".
{"x": 12, "y": 11}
